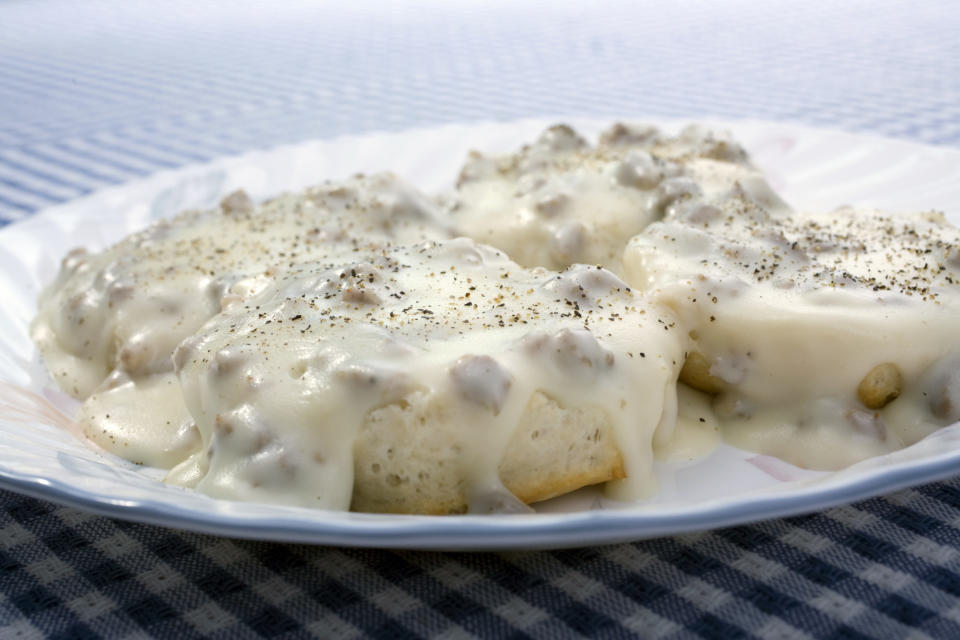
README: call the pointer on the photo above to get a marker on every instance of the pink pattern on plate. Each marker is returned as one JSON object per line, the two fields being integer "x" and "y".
{"x": 778, "y": 147}
{"x": 24, "y": 406}
{"x": 776, "y": 468}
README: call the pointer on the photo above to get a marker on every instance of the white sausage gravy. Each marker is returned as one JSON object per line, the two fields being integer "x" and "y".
{"x": 108, "y": 324}
{"x": 561, "y": 201}
{"x": 282, "y": 383}
{"x": 823, "y": 338}
{"x": 340, "y": 348}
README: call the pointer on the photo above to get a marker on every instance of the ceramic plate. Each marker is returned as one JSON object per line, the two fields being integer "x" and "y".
{"x": 40, "y": 454}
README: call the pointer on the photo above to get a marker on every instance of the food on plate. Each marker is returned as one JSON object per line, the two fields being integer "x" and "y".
{"x": 341, "y": 348}
{"x": 816, "y": 334}
{"x": 109, "y": 323}
{"x": 425, "y": 379}
{"x": 561, "y": 201}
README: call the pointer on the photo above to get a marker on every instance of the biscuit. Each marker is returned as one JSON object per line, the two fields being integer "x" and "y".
{"x": 814, "y": 330}
{"x": 560, "y": 201}
{"x": 429, "y": 378}
{"x": 109, "y": 323}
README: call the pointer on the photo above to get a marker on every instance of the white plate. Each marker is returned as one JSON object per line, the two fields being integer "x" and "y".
{"x": 40, "y": 456}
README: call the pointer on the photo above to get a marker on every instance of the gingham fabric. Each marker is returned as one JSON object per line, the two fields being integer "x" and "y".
{"x": 97, "y": 93}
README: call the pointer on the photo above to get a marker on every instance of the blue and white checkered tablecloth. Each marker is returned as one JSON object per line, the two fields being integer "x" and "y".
{"x": 99, "y": 92}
